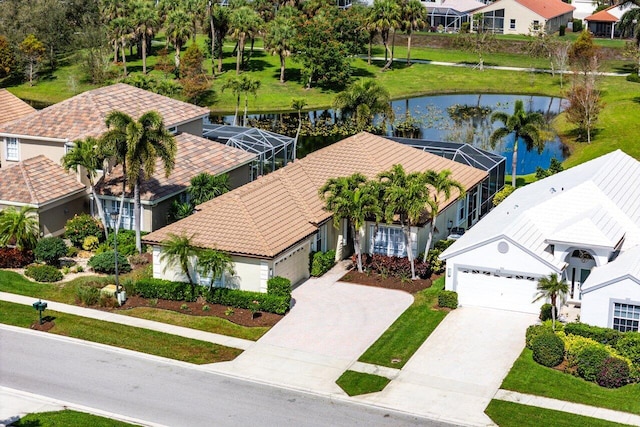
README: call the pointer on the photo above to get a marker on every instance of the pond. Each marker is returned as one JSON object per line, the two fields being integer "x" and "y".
{"x": 456, "y": 118}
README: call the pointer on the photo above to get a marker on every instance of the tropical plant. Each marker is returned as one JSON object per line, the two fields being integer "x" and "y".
{"x": 121, "y": 30}
{"x": 244, "y": 22}
{"x": 204, "y": 187}
{"x": 413, "y": 18}
{"x": 145, "y": 22}
{"x": 178, "y": 32}
{"x": 19, "y": 227}
{"x": 552, "y": 287}
{"x": 523, "y": 125}
{"x": 178, "y": 251}
{"x": 234, "y": 84}
{"x": 385, "y": 16}
{"x": 362, "y": 101}
{"x": 219, "y": 23}
{"x": 279, "y": 39}
{"x": 214, "y": 264}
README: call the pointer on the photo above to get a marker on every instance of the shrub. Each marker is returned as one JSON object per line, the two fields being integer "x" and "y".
{"x": 322, "y": 262}
{"x": 245, "y": 299}
{"x": 502, "y": 194}
{"x": 634, "y": 78}
{"x": 15, "y": 258}
{"x": 279, "y": 286}
{"x": 107, "y": 300}
{"x": 43, "y": 273}
{"x": 138, "y": 259}
{"x": 448, "y": 299}
{"x": 129, "y": 286}
{"x": 577, "y": 26}
{"x": 88, "y": 295}
{"x": 79, "y": 268}
{"x": 614, "y": 373}
{"x": 90, "y": 243}
{"x": 105, "y": 263}
{"x": 545, "y": 312}
{"x": 164, "y": 289}
{"x": 72, "y": 251}
{"x": 533, "y": 331}
{"x": 126, "y": 242}
{"x": 548, "y": 349}
{"x": 602, "y": 335}
{"x": 573, "y": 345}
{"x": 80, "y": 227}
{"x": 629, "y": 347}
{"x": 561, "y": 30}
{"x": 50, "y": 250}
{"x": 394, "y": 266}
{"x": 590, "y": 361}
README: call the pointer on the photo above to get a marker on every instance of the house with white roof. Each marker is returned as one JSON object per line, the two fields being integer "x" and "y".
{"x": 580, "y": 220}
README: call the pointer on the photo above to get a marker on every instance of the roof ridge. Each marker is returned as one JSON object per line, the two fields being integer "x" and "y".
{"x": 27, "y": 181}
{"x": 256, "y": 229}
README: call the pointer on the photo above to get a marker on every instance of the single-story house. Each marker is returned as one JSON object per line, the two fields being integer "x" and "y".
{"x": 13, "y": 107}
{"x": 524, "y": 16}
{"x": 451, "y": 14}
{"x": 46, "y": 186}
{"x": 603, "y": 23}
{"x": 270, "y": 226}
{"x": 195, "y": 155}
{"x": 568, "y": 223}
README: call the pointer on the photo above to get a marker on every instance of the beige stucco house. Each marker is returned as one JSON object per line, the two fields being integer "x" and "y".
{"x": 271, "y": 225}
{"x": 525, "y": 16}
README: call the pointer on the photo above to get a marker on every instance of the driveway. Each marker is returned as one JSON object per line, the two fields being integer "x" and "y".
{"x": 330, "y": 326}
{"x": 457, "y": 371}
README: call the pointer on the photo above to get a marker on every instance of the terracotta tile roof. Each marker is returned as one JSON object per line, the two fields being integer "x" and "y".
{"x": 603, "y": 16}
{"x": 269, "y": 215}
{"x": 195, "y": 155}
{"x": 547, "y": 8}
{"x": 84, "y": 114}
{"x": 36, "y": 181}
{"x": 12, "y": 107}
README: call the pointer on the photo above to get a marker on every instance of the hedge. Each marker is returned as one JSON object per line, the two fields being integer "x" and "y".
{"x": 534, "y": 331}
{"x": 279, "y": 286}
{"x": 322, "y": 262}
{"x": 164, "y": 289}
{"x": 448, "y": 299}
{"x": 602, "y": 335}
{"x": 245, "y": 299}
{"x": 545, "y": 312}
{"x": 43, "y": 273}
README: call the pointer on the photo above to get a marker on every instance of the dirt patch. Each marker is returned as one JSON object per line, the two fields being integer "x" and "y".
{"x": 389, "y": 282}
{"x": 46, "y": 326}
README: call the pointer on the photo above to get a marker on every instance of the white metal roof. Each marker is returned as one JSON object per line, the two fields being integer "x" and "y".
{"x": 625, "y": 266}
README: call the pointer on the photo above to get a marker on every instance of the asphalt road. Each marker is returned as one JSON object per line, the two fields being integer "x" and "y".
{"x": 165, "y": 392}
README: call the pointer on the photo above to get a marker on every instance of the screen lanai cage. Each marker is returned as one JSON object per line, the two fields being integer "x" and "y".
{"x": 273, "y": 150}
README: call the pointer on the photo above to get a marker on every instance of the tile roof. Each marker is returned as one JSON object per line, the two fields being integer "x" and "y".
{"x": 194, "y": 155}
{"x": 269, "y": 215}
{"x": 36, "y": 181}
{"x": 602, "y": 16}
{"x": 12, "y": 107}
{"x": 84, "y": 114}
{"x": 547, "y": 8}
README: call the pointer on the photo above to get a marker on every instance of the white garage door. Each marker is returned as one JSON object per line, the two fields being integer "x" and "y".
{"x": 294, "y": 266}
{"x": 479, "y": 288}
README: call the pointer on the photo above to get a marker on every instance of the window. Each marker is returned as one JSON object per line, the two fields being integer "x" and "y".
{"x": 68, "y": 146}
{"x": 536, "y": 25}
{"x": 12, "y": 149}
{"x": 626, "y": 317}
{"x": 461, "y": 215}
{"x": 390, "y": 241}
{"x": 318, "y": 242}
{"x": 126, "y": 221}
{"x": 512, "y": 24}
{"x": 173, "y": 130}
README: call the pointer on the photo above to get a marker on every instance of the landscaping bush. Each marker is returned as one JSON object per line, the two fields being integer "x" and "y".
{"x": 88, "y": 295}
{"x": 533, "y": 331}
{"x": 634, "y": 78}
{"x": 279, "y": 286}
{"x": 393, "y": 266}
{"x": 107, "y": 300}
{"x": 601, "y": 335}
{"x": 15, "y": 258}
{"x": 614, "y": 373}
{"x": 90, "y": 243}
{"x": 548, "y": 349}
{"x": 80, "y": 227}
{"x": 164, "y": 289}
{"x": 50, "y": 250}
{"x": 561, "y": 30}
{"x": 573, "y": 345}
{"x": 590, "y": 361}
{"x": 545, "y": 312}
{"x": 322, "y": 262}
{"x": 126, "y": 242}
{"x": 246, "y": 299}
{"x": 138, "y": 259}
{"x": 629, "y": 347}
{"x": 448, "y": 299}
{"x": 72, "y": 251}
{"x": 105, "y": 263}
{"x": 577, "y": 26}
{"x": 502, "y": 194}
{"x": 43, "y": 273}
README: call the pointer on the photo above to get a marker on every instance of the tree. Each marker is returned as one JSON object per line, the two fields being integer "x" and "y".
{"x": 235, "y": 85}
{"x": 354, "y": 199}
{"x": 84, "y": 156}
{"x": 248, "y": 85}
{"x": 219, "y": 23}
{"x": 195, "y": 85}
{"x": 204, "y": 187}
{"x": 362, "y": 101}
{"x": 552, "y": 287}
{"x": 414, "y": 15}
{"x": 629, "y": 26}
{"x": 19, "y": 227}
{"x": 214, "y": 264}
{"x": 442, "y": 184}
{"x": 560, "y": 59}
{"x": 582, "y": 52}
{"x": 480, "y": 41}
{"x": 178, "y": 251}
{"x": 31, "y": 50}
{"x": 244, "y": 22}
{"x": 7, "y": 57}
{"x": 585, "y": 104}
{"x": 298, "y": 104}
{"x": 385, "y": 16}
{"x": 522, "y": 125}
{"x": 121, "y": 31}
{"x": 178, "y": 32}
{"x": 145, "y": 21}
{"x": 279, "y": 39}
{"x": 404, "y": 196}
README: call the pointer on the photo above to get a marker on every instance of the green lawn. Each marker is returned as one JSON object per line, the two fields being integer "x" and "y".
{"x": 526, "y": 376}
{"x": 67, "y": 418}
{"x": 508, "y": 414}
{"x": 355, "y": 383}
{"x": 64, "y": 292}
{"x": 409, "y": 331}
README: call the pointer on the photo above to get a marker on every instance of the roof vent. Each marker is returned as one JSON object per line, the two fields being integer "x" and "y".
{"x": 552, "y": 190}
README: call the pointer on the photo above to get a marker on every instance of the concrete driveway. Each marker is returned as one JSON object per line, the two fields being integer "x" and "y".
{"x": 457, "y": 371}
{"x": 330, "y": 326}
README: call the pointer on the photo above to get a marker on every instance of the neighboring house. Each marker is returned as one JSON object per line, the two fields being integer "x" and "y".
{"x": 451, "y": 14}
{"x": 194, "y": 155}
{"x": 13, "y": 108}
{"x": 583, "y": 9}
{"x": 270, "y": 225}
{"x": 603, "y": 23}
{"x": 567, "y": 224}
{"x": 46, "y": 186}
{"x": 524, "y": 16}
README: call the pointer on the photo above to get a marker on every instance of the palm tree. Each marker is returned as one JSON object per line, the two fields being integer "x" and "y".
{"x": 145, "y": 20}
{"x": 406, "y": 197}
{"x": 178, "y": 250}
{"x": 84, "y": 155}
{"x": 244, "y": 22}
{"x": 234, "y": 84}
{"x": 279, "y": 39}
{"x": 440, "y": 183}
{"x": 298, "y": 104}
{"x": 385, "y": 16}
{"x": 248, "y": 85}
{"x": 525, "y": 126}
{"x": 19, "y": 227}
{"x": 178, "y": 31}
{"x": 551, "y": 287}
{"x": 414, "y": 15}
{"x": 363, "y": 100}
{"x": 353, "y": 198}
{"x": 204, "y": 187}
{"x": 122, "y": 30}
{"x": 219, "y": 22}
{"x": 214, "y": 264}
{"x": 110, "y": 10}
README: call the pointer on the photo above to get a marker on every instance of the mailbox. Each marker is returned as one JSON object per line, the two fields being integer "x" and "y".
{"x": 40, "y": 306}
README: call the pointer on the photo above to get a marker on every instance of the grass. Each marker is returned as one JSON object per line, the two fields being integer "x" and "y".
{"x": 64, "y": 292}
{"x": 136, "y": 339}
{"x": 67, "y": 418}
{"x": 526, "y": 376}
{"x": 355, "y": 383}
{"x": 409, "y": 331}
{"x": 509, "y": 414}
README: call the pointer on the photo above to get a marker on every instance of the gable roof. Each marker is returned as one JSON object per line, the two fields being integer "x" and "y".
{"x": 12, "y": 107}
{"x": 602, "y": 16}
{"x": 602, "y": 194}
{"x": 83, "y": 115}
{"x": 194, "y": 155}
{"x": 36, "y": 181}
{"x": 625, "y": 266}
{"x": 547, "y": 8}
{"x": 265, "y": 217}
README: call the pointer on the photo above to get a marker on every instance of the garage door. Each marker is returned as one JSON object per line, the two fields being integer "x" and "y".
{"x": 481, "y": 288}
{"x": 294, "y": 266}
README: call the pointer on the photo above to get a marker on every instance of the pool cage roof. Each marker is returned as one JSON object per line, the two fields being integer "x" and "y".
{"x": 273, "y": 150}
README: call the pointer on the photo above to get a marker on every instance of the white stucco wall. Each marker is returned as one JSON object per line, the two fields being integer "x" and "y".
{"x": 597, "y": 305}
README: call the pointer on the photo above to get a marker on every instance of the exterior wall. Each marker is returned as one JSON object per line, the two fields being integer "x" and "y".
{"x": 240, "y": 176}
{"x": 553, "y": 24}
{"x": 28, "y": 148}
{"x": 194, "y": 127}
{"x": 157, "y": 215}
{"x": 53, "y": 218}
{"x": 597, "y": 305}
{"x": 293, "y": 265}
{"x": 513, "y": 10}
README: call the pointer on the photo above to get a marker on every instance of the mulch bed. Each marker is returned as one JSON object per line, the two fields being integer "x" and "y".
{"x": 46, "y": 326}
{"x": 372, "y": 279}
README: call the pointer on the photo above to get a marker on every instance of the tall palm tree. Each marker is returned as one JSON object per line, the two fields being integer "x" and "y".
{"x": 244, "y": 22}
{"x": 235, "y": 85}
{"x": 214, "y": 264}
{"x": 363, "y": 100}
{"x": 219, "y": 23}
{"x": 84, "y": 156}
{"x": 385, "y": 16}
{"x": 110, "y": 10}
{"x": 178, "y": 251}
{"x": 354, "y": 199}
{"x": 204, "y": 187}
{"x": 298, "y": 104}
{"x": 440, "y": 184}
{"x": 248, "y": 85}
{"x": 404, "y": 196}
{"x": 145, "y": 21}
{"x": 281, "y": 33}
{"x": 178, "y": 32}
{"x": 122, "y": 30}
{"x": 551, "y": 287}
{"x": 414, "y": 15}
{"x": 19, "y": 227}
{"x": 525, "y": 126}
